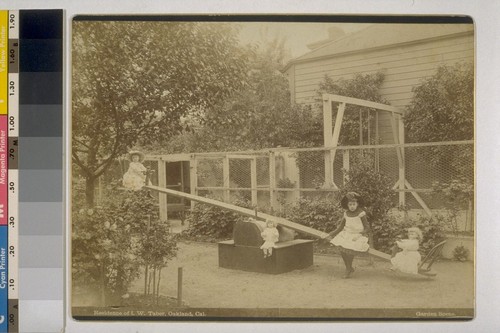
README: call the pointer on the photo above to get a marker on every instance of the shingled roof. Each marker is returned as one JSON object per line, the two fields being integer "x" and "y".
{"x": 383, "y": 35}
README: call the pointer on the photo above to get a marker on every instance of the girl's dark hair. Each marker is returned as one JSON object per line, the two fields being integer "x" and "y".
{"x": 351, "y": 196}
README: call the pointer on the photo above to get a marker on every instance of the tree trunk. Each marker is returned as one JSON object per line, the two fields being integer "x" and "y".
{"x": 89, "y": 191}
{"x": 158, "y": 286}
{"x": 146, "y": 280}
{"x": 154, "y": 282}
{"x": 103, "y": 286}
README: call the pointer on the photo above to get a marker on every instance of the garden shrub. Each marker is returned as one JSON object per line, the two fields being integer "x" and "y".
{"x": 460, "y": 253}
{"x": 213, "y": 223}
{"x": 112, "y": 241}
{"x": 432, "y": 230}
{"x": 139, "y": 209}
{"x": 459, "y": 195}
{"x": 387, "y": 232}
{"x": 319, "y": 214}
{"x": 102, "y": 250}
{"x": 374, "y": 186}
{"x": 376, "y": 190}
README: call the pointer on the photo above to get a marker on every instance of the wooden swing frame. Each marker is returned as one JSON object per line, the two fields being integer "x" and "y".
{"x": 331, "y": 139}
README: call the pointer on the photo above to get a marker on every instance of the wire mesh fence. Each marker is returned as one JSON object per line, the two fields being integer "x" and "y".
{"x": 273, "y": 178}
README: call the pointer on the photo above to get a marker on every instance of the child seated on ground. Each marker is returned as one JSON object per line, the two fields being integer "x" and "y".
{"x": 270, "y": 235}
{"x": 408, "y": 259}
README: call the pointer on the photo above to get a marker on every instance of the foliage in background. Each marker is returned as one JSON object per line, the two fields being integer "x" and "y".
{"x": 260, "y": 115}
{"x": 213, "y": 223}
{"x": 391, "y": 228}
{"x": 442, "y": 109}
{"x": 374, "y": 186}
{"x": 459, "y": 196}
{"x": 320, "y": 214}
{"x": 361, "y": 86}
{"x": 135, "y": 82}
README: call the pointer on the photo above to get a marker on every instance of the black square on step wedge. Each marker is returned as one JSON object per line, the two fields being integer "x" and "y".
{"x": 41, "y": 24}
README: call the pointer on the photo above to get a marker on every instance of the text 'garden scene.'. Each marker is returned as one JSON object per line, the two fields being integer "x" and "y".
{"x": 272, "y": 169}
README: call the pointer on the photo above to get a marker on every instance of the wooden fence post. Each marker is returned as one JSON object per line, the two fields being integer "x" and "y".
{"x": 179, "y": 287}
{"x": 162, "y": 182}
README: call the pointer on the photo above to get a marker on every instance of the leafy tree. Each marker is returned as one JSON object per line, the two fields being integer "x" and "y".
{"x": 260, "y": 115}
{"x": 257, "y": 115}
{"x": 442, "y": 108}
{"x": 133, "y": 81}
{"x": 361, "y": 86}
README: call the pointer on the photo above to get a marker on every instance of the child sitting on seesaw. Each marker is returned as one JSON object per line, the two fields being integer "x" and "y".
{"x": 408, "y": 259}
{"x": 352, "y": 235}
{"x": 270, "y": 235}
{"x": 135, "y": 177}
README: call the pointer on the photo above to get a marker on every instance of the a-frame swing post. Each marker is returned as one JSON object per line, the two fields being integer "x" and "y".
{"x": 396, "y": 133}
{"x": 327, "y": 139}
{"x": 331, "y": 139}
{"x": 402, "y": 169}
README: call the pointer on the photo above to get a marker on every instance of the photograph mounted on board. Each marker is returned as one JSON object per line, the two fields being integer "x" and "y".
{"x": 272, "y": 168}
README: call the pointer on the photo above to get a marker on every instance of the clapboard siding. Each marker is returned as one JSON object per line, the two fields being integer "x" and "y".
{"x": 401, "y": 69}
{"x": 400, "y": 66}
{"x": 414, "y": 74}
{"x": 392, "y": 86}
{"x": 405, "y": 67}
{"x": 388, "y": 54}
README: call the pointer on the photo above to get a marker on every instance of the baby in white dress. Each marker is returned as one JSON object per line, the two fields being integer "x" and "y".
{"x": 408, "y": 259}
{"x": 270, "y": 235}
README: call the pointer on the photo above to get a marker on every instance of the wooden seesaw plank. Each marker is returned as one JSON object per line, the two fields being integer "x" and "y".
{"x": 244, "y": 211}
{"x": 379, "y": 254}
{"x": 249, "y": 212}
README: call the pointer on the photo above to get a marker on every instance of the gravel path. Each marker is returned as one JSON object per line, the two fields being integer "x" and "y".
{"x": 205, "y": 285}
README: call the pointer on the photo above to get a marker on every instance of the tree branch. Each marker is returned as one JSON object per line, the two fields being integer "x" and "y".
{"x": 78, "y": 162}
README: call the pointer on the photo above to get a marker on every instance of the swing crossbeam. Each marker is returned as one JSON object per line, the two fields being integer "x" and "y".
{"x": 259, "y": 215}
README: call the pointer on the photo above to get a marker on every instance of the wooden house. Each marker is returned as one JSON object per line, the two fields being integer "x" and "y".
{"x": 407, "y": 54}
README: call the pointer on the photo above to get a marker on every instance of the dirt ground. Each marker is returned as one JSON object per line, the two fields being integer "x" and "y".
{"x": 205, "y": 285}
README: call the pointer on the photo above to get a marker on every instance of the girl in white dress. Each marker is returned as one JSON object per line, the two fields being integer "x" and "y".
{"x": 408, "y": 259}
{"x": 135, "y": 177}
{"x": 351, "y": 236}
{"x": 270, "y": 235}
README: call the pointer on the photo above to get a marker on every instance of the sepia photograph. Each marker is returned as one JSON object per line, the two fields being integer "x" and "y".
{"x": 272, "y": 167}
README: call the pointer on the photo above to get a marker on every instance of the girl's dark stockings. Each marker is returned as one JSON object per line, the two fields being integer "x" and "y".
{"x": 348, "y": 259}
